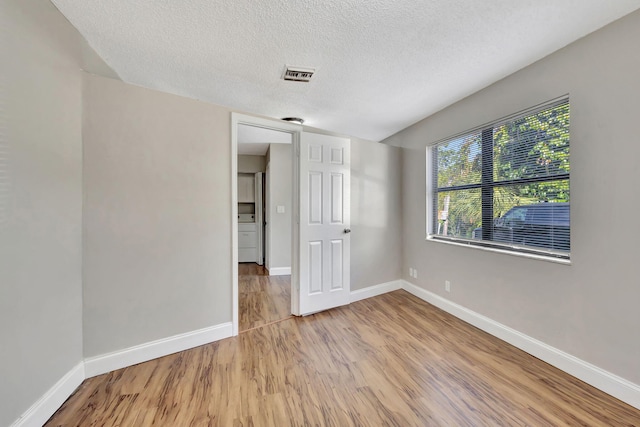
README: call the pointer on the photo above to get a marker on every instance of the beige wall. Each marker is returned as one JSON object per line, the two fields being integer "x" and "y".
{"x": 280, "y": 176}
{"x": 40, "y": 202}
{"x": 376, "y": 213}
{"x": 156, "y": 215}
{"x": 590, "y": 308}
{"x": 251, "y": 164}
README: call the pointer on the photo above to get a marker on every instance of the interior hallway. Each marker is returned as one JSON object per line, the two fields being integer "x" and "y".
{"x": 262, "y": 299}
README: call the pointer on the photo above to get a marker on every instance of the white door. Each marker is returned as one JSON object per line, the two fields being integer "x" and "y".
{"x": 324, "y": 221}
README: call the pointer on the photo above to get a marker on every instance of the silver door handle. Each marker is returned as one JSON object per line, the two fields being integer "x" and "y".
{"x": 347, "y": 230}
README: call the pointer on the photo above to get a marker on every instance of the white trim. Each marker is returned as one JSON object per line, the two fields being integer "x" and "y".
{"x": 375, "y": 290}
{"x": 612, "y": 384}
{"x": 279, "y": 271}
{"x": 53, "y": 399}
{"x": 497, "y": 249}
{"x": 259, "y": 198}
{"x": 234, "y": 224}
{"x": 430, "y": 206}
{"x": 50, "y": 402}
{"x": 152, "y": 350}
{"x": 295, "y": 232}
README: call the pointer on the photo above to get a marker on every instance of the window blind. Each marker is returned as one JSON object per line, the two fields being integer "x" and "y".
{"x": 506, "y": 184}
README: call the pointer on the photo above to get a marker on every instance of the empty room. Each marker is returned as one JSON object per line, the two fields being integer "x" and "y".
{"x": 319, "y": 213}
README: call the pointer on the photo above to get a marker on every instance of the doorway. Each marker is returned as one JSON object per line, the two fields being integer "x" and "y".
{"x": 262, "y": 299}
{"x": 262, "y": 226}
{"x": 319, "y": 205}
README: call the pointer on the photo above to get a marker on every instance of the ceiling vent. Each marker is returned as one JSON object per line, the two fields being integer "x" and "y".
{"x": 298, "y": 74}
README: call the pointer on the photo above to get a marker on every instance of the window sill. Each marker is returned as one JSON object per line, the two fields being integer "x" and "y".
{"x": 501, "y": 251}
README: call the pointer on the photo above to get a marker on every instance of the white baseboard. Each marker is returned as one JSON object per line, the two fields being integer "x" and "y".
{"x": 375, "y": 290}
{"x": 599, "y": 378}
{"x": 141, "y": 353}
{"x": 279, "y": 271}
{"x": 48, "y": 404}
{"x": 51, "y": 401}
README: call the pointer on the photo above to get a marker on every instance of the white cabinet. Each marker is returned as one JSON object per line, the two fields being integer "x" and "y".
{"x": 246, "y": 188}
{"x": 247, "y": 239}
{"x": 247, "y": 242}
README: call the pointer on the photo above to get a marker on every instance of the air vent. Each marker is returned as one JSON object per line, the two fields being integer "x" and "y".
{"x": 298, "y": 74}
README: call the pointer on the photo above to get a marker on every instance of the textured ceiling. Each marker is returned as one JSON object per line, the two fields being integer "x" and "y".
{"x": 381, "y": 64}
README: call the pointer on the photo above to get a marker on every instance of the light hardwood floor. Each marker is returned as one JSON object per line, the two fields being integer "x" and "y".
{"x": 262, "y": 299}
{"x": 392, "y": 360}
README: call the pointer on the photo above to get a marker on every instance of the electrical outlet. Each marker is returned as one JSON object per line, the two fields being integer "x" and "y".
{"x": 415, "y": 273}
{"x": 410, "y": 271}
{"x": 447, "y": 286}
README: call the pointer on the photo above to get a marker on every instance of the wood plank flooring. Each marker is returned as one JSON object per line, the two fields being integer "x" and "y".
{"x": 262, "y": 299}
{"x": 392, "y": 360}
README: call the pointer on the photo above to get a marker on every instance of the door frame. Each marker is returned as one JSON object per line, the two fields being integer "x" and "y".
{"x": 295, "y": 130}
{"x": 259, "y": 216}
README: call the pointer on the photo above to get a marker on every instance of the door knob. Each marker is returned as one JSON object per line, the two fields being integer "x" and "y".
{"x": 347, "y": 230}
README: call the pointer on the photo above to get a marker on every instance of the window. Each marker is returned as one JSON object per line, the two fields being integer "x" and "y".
{"x": 505, "y": 184}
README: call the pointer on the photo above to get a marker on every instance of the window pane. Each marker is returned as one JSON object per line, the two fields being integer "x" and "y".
{"x": 506, "y": 197}
{"x": 459, "y": 161}
{"x": 459, "y": 213}
{"x": 534, "y": 215}
{"x": 533, "y": 146}
{"x": 523, "y": 195}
